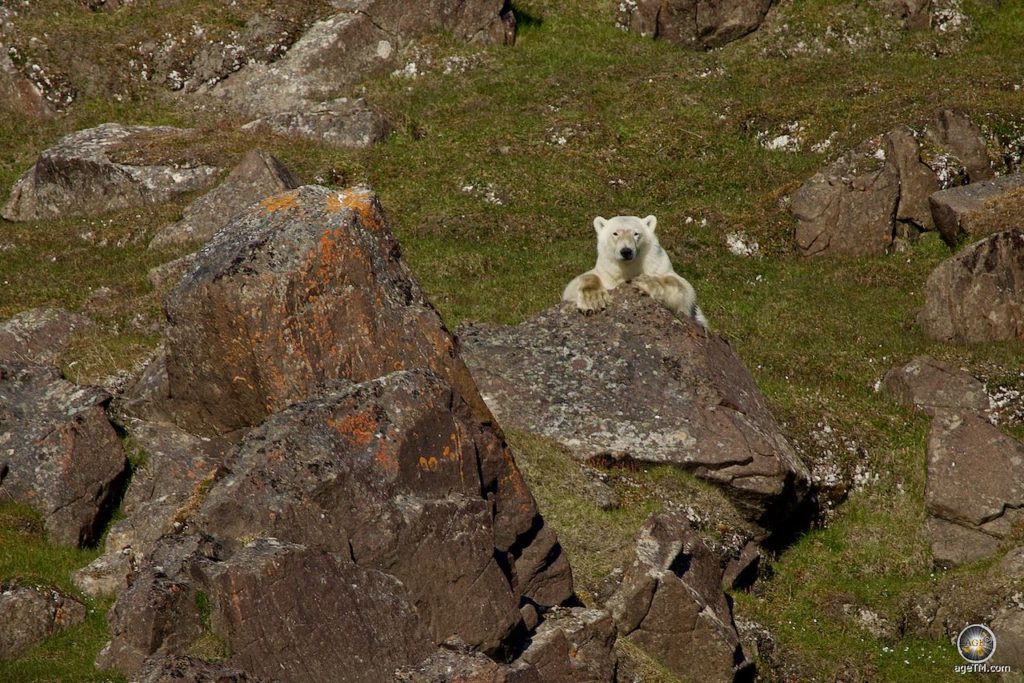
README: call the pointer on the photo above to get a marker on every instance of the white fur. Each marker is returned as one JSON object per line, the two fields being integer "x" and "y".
{"x": 649, "y": 268}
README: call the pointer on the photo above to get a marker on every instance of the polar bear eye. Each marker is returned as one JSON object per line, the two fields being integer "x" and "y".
{"x": 636, "y": 234}
{"x": 615, "y": 234}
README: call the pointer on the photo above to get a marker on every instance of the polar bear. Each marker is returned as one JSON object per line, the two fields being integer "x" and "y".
{"x": 628, "y": 251}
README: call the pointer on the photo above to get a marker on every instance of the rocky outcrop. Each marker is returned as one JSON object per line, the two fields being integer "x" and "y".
{"x": 975, "y": 487}
{"x": 849, "y": 208}
{"x": 344, "y": 123}
{"x": 573, "y": 645}
{"x": 40, "y": 335}
{"x": 104, "y": 169}
{"x": 171, "y": 669}
{"x": 693, "y": 24}
{"x": 30, "y": 614}
{"x": 979, "y": 209}
{"x": 305, "y": 287}
{"x": 257, "y": 176}
{"x": 954, "y": 131}
{"x": 978, "y": 294}
{"x": 671, "y": 603}
{"x": 932, "y": 386}
{"x": 18, "y": 94}
{"x": 633, "y": 382}
{"x": 362, "y": 40}
{"x": 58, "y": 452}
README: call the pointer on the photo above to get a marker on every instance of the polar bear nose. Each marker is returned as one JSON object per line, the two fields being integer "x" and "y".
{"x": 626, "y": 253}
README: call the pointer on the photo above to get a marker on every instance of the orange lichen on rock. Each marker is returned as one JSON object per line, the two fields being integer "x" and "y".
{"x": 279, "y": 201}
{"x": 358, "y": 200}
{"x": 428, "y": 464}
{"x": 358, "y": 428}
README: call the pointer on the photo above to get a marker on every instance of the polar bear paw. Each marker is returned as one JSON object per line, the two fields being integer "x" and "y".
{"x": 592, "y": 296}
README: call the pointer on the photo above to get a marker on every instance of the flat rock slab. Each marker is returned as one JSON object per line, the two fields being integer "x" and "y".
{"x": 301, "y": 288}
{"x": 975, "y": 478}
{"x": 107, "y": 168}
{"x": 635, "y": 381}
{"x": 978, "y": 294}
{"x": 58, "y": 452}
{"x": 693, "y": 24}
{"x": 343, "y": 123}
{"x": 979, "y": 209}
{"x": 30, "y": 614}
{"x": 932, "y": 386}
{"x": 257, "y": 176}
{"x": 40, "y": 335}
{"x": 672, "y": 604}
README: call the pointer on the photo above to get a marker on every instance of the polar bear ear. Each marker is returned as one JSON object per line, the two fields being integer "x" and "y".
{"x": 651, "y": 222}
{"x": 599, "y": 223}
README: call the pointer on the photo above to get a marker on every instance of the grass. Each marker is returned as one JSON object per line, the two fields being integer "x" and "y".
{"x": 580, "y": 119}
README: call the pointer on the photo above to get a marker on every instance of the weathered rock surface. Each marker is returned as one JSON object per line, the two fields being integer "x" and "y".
{"x": 103, "y": 169}
{"x": 979, "y": 209}
{"x": 257, "y": 176}
{"x": 849, "y": 208}
{"x": 30, "y": 614}
{"x": 978, "y": 294}
{"x": 693, "y": 24}
{"x": 635, "y": 381}
{"x": 18, "y": 94}
{"x": 363, "y": 39}
{"x": 975, "y": 481}
{"x": 932, "y": 386}
{"x": 341, "y": 123}
{"x": 456, "y": 661}
{"x": 40, "y": 335}
{"x": 575, "y": 645}
{"x": 916, "y": 14}
{"x": 166, "y": 275}
{"x": 954, "y": 131}
{"x": 1008, "y": 626}
{"x": 308, "y": 286}
{"x": 917, "y": 180}
{"x": 58, "y": 452}
{"x": 163, "y": 491}
{"x": 168, "y": 669}
{"x": 671, "y": 603}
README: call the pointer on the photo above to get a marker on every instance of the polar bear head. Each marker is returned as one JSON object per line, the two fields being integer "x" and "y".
{"x": 624, "y": 238}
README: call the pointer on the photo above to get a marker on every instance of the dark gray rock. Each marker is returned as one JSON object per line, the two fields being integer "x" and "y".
{"x": 364, "y": 39}
{"x": 171, "y": 669}
{"x": 39, "y": 335}
{"x": 58, "y": 452}
{"x": 30, "y": 614}
{"x": 344, "y": 123}
{"x": 105, "y": 169}
{"x": 931, "y": 386}
{"x": 164, "y": 490}
{"x": 257, "y": 176}
{"x": 671, "y": 604}
{"x": 954, "y": 131}
{"x": 850, "y": 207}
{"x": 978, "y": 294}
{"x": 693, "y": 24}
{"x": 979, "y": 209}
{"x": 691, "y": 402}
{"x": 975, "y": 481}
{"x": 917, "y": 180}
{"x": 305, "y": 287}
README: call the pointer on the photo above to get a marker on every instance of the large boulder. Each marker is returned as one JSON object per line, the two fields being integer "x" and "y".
{"x": 30, "y": 614}
{"x": 850, "y": 207}
{"x": 671, "y": 603}
{"x": 932, "y": 386}
{"x": 104, "y": 169}
{"x": 974, "y": 492}
{"x": 693, "y": 24}
{"x": 344, "y": 123}
{"x": 978, "y": 294}
{"x": 39, "y": 335}
{"x": 979, "y": 209}
{"x": 58, "y": 452}
{"x": 636, "y": 382}
{"x": 305, "y": 287}
{"x": 362, "y": 40}
{"x": 257, "y": 176}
